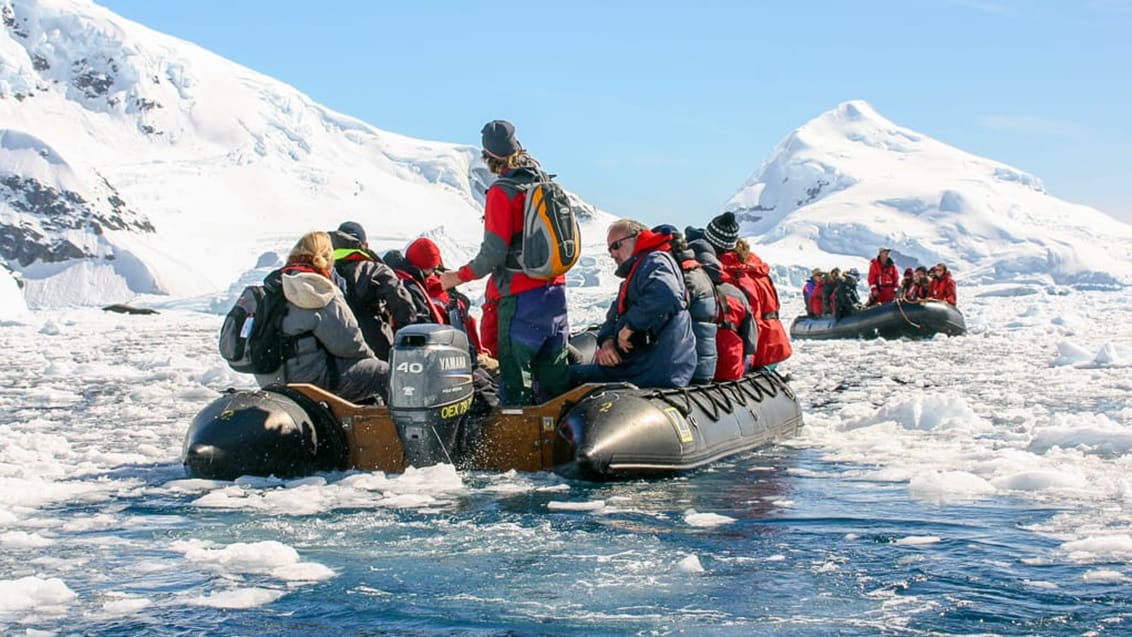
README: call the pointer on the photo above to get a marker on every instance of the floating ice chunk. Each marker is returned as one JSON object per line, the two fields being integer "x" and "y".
{"x": 918, "y": 540}
{"x": 950, "y": 484}
{"x": 1091, "y": 433}
{"x": 926, "y": 412}
{"x": 33, "y": 592}
{"x": 690, "y": 564}
{"x": 126, "y": 605}
{"x": 238, "y": 598}
{"x": 695, "y": 518}
{"x": 1100, "y": 548}
{"x": 590, "y": 505}
{"x": 23, "y": 540}
{"x": 1104, "y": 575}
{"x": 1041, "y": 480}
{"x": 303, "y": 572}
{"x": 241, "y": 557}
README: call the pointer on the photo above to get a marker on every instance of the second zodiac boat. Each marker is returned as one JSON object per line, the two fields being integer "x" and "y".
{"x": 891, "y": 320}
{"x": 593, "y": 432}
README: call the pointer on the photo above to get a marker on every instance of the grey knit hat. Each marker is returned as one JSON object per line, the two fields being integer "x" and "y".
{"x": 723, "y": 232}
{"x": 354, "y": 229}
{"x": 499, "y": 138}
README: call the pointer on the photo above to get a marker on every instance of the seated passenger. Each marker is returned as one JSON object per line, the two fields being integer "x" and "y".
{"x": 906, "y": 284}
{"x": 372, "y": 290}
{"x": 848, "y": 302}
{"x": 646, "y": 338}
{"x": 416, "y": 282}
{"x": 829, "y": 288}
{"x": 331, "y": 351}
{"x": 453, "y": 307}
{"x": 737, "y": 336}
{"x": 943, "y": 286}
{"x": 921, "y": 286}
{"x": 701, "y": 303}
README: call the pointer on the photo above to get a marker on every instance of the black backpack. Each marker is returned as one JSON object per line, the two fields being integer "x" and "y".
{"x": 252, "y": 338}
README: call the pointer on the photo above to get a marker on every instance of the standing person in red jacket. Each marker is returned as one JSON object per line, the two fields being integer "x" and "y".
{"x": 883, "y": 278}
{"x": 531, "y": 323}
{"x": 943, "y": 286}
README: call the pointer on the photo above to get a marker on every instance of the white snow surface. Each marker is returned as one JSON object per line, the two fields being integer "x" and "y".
{"x": 224, "y": 162}
{"x": 850, "y": 182}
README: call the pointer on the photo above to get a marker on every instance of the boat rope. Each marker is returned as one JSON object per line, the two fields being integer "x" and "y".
{"x": 744, "y": 387}
{"x": 712, "y": 413}
{"x": 668, "y": 397}
{"x": 900, "y": 306}
{"x": 725, "y": 403}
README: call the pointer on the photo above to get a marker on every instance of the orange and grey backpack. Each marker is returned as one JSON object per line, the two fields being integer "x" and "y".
{"x": 550, "y": 243}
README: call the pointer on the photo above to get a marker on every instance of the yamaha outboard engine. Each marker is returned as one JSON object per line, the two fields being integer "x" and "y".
{"x": 430, "y": 392}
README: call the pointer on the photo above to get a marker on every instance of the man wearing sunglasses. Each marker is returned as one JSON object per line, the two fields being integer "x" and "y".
{"x": 646, "y": 338}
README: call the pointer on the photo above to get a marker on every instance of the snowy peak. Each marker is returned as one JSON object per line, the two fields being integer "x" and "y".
{"x": 127, "y": 153}
{"x": 850, "y": 181}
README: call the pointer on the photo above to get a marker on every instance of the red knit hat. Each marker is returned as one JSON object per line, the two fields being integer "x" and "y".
{"x": 423, "y": 254}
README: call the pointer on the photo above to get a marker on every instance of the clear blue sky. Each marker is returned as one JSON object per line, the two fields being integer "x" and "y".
{"x": 660, "y": 110}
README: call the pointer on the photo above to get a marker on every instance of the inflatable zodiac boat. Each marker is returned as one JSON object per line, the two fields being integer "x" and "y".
{"x": 593, "y": 432}
{"x": 891, "y": 320}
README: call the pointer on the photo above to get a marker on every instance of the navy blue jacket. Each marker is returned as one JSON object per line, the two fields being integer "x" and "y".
{"x": 664, "y": 351}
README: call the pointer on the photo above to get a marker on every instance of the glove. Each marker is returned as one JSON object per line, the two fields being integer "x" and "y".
{"x": 488, "y": 363}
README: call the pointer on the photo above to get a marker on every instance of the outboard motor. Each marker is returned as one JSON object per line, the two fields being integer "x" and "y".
{"x": 430, "y": 392}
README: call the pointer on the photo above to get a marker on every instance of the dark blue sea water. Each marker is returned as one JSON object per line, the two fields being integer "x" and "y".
{"x": 804, "y": 555}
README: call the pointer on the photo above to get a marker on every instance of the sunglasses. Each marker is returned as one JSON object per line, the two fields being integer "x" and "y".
{"x": 616, "y": 245}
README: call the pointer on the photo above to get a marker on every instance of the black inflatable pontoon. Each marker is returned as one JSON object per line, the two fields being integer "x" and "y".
{"x": 891, "y": 320}
{"x": 593, "y": 432}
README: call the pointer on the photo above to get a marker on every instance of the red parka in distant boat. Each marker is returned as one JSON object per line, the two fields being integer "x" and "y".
{"x": 943, "y": 286}
{"x": 883, "y": 279}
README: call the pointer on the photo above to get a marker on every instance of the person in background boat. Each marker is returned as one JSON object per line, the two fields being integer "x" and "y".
{"x": 906, "y": 284}
{"x": 333, "y": 354}
{"x": 737, "y": 338}
{"x": 702, "y": 306}
{"x": 646, "y": 338}
{"x": 943, "y": 286}
{"x": 375, "y": 295}
{"x": 883, "y": 278}
{"x": 751, "y": 275}
{"x": 531, "y": 327}
{"x": 453, "y": 307}
{"x": 812, "y": 293}
{"x": 848, "y": 302}
{"x": 921, "y": 286}
{"x": 829, "y": 292}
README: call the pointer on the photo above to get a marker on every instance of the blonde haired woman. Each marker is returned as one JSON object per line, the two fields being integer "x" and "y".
{"x": 329, "y": 349}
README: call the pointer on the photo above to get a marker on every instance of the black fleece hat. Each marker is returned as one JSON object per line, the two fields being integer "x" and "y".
{"x": 499, "y": 138}
{"x": 354, "y": 229}
{"x": 723, "y": 232}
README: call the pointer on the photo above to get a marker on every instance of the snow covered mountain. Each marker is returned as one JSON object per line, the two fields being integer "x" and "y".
{"x": 132, "y": 163}
{"x": 850, "y": 181}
